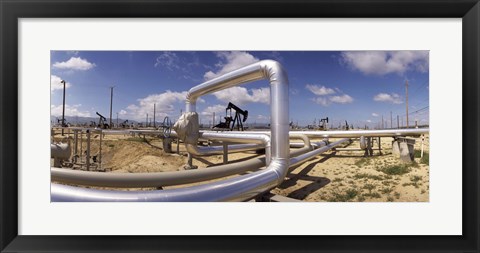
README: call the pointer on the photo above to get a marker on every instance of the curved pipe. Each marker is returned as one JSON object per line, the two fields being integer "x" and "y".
{"x": 226, "y": 190}
{"x": 60, "y": 151}
{"x": 303, "y": 137}
{"x": 259, "y": 140}
{"x": 240, "y": 188}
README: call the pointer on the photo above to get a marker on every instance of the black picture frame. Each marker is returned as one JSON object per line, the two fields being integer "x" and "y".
{"x": 11, "y": 11}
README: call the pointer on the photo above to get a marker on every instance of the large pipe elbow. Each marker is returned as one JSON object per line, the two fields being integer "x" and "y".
{"x": 60, "y": 151}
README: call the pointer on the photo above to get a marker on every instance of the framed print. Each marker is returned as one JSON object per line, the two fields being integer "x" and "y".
{"x": 359, "y": 119}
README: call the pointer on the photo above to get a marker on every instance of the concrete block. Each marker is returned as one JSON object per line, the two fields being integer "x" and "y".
{"x": 395, "y": 147}
{"x": 407, "y": 150}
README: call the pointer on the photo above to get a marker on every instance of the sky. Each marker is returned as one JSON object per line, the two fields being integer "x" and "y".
{"x": 357, "y": 86}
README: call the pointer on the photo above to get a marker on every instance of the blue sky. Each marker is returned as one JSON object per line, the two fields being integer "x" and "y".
{"x": 357, "y": 86}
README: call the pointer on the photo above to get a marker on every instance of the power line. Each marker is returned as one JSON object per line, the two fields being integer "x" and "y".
{"x": 419, "y": 110}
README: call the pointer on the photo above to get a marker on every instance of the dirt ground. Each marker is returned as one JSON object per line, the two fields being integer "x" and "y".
{"x": 339, "y": 176}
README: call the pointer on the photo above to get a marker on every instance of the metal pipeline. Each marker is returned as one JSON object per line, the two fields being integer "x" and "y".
{"x": 358, "y": 133}
{"x": 307, "y": 156}
{"x": 225, "y": 190}
{"x": 163, "y": 178}
{"x": 240, "y": 188}
{"x": 260, "y": 141}
{"x": 157, "y": 179}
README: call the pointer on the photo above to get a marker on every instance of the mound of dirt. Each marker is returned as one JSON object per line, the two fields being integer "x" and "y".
{"x": 134, "y": 157}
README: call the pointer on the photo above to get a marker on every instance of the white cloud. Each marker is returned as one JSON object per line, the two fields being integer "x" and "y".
{"x": 369, "y": 121}
{"x": 325, "y": 100}
{"x": 214, "y": 109}
{"x": 230, "y": 61}
{"x": 375, "y": 114}
{"x": 241, "y": 96}
{"x": 166, "y": 104}
{"x": 70, "y": 110}
{"x": 74, "y": 63}
{"x": 321, "y": 101}
{"x": 386, "y": 62}
{"x": 328, "y": 100}
{"x": 342, "y": 99}
{"x": 55, "y": 83}
{"x": 122, "y": 112}
{"x": 319, "y": 90}
{"x": 389, "y": 98}
{"x": 169, "y": 60}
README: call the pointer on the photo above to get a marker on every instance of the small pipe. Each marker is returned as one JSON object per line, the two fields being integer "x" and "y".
{"x": 225, "y": 153}
{"x": 421, "y": 152}
{"x": 100, "y": 149}
{"x": 88, "y": 150}
{"x": 353, "y": 149}
{"x": 75, "y": 156}
{"x": 178, "y": 145}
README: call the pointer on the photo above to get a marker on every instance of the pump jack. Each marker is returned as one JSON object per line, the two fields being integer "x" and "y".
{"x": 101, "y": 122}
{"x": 125, "y": 124}
{"x": 323, "y": 125}
{"x": 237, "y": 120}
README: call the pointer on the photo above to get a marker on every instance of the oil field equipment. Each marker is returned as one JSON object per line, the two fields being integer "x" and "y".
{"x": 125, "y": 124}
{"x": 323, "y": 124}
{"x": 232, "y": 122}
{"x": 101, "y": 122}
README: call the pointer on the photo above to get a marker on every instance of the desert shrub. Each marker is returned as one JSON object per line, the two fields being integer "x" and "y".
{"x": 369, "y": 176}
{"x": 362, "y": 162}
{"x": 345, "y": 197}
{"x": 398, "y": 169}
{"x": 425, "y": 159}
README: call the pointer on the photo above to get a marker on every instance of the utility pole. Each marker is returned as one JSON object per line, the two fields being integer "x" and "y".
{"x": 111, "y": 102}
{"x": 117, "y": 119}
{"x": 63, "y": 110}
{"x": 154, "y": 124}
{"x": 406, "y": 97}
{"x": 213, "y": 121}
{"x": 146, "y": 121}
{"x": 398, "y": 122}
{"x": 383, "y": 126}
{"x": 391, "y": 120}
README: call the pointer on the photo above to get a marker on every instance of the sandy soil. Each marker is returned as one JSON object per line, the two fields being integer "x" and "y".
{"x": 333, "y": 176}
